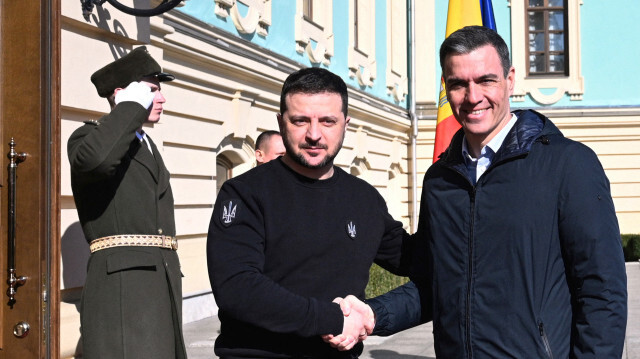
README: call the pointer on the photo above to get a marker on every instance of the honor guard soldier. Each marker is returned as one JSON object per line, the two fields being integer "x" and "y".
{"x": 132, "y": 299}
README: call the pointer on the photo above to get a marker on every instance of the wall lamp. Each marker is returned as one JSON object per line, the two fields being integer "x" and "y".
{"x": 164, "y": 6}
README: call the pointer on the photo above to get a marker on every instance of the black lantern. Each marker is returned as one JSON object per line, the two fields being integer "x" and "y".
{"x": 164, "y": 6}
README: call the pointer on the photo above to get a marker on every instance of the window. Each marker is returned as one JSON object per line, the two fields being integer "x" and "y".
{"x": 545, "y": 50}
{"x": 307, "y": 9}
{"x": 355, "y": 25}
{"x": 546, "y": 34}
{"x": 362, "y": 47}
{"x": 224, "y": 168}
{"x": 396, "y": 49}
{"x": 314, "y": 30}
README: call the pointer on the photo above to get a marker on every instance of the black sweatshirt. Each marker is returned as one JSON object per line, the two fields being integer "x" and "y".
{"x": 282, "y": 246}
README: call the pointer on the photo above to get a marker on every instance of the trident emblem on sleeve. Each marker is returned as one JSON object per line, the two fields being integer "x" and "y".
{"x": 228, "y": 214}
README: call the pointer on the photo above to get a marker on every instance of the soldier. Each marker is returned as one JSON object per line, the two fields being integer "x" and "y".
{"x": 132, "y": 298}
{"x": 269, "y": 146}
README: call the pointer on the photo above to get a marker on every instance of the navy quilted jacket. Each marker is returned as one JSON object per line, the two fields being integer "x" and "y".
{"x": 526, "y": 264}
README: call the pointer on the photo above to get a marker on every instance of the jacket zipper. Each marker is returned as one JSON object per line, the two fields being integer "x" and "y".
{"x": 470, "y": 274}
{"x": 545, "y": 340}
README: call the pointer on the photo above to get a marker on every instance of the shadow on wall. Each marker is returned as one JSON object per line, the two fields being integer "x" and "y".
{"x": 75, "y": 256}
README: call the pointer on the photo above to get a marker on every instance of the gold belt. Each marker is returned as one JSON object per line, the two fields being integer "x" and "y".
{"x": 145, "y": 240}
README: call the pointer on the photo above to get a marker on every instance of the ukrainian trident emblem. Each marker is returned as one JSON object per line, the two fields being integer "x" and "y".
{"x": 228, "y": 213}
{"x": 351, "y": 229}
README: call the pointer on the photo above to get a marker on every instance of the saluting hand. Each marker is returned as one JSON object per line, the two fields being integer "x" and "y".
{"x": 136, "y": 92}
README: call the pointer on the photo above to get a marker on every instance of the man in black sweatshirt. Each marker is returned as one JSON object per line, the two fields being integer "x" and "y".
{"x": 288, "y": 237}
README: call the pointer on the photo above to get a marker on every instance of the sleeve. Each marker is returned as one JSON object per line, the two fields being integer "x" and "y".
{"x": 593, "y": 257}
{"x": 236, "y": 259}
{"x": 96, "y": 151}
{"x": 409, "y": 305}
{"x": 394, "y": 253}
{"x": 397, "y": 310}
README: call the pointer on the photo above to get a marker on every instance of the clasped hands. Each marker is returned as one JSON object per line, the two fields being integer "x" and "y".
{"x": 359, "y": 322}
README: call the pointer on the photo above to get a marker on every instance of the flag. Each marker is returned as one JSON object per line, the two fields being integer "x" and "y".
{"x": 461, "y": 13}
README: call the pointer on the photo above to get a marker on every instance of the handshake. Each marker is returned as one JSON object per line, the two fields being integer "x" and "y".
{"x": 359, "y": 322}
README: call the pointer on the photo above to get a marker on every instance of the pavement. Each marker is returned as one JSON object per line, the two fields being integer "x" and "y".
{"x": 415, "y": 343}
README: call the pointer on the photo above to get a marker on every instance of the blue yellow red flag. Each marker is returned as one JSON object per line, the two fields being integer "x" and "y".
{"x": 460, "y": 13}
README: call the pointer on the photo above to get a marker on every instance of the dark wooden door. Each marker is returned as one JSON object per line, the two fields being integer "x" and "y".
{"x": 29, "y": 114}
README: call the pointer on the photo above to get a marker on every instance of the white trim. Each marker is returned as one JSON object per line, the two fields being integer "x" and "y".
{"x": 319, "y": 31}
{"x": 572, "y": 84}
{"x": 362, "y": 62}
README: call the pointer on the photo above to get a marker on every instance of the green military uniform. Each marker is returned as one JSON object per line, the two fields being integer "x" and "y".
{"x": 132, "y": 299}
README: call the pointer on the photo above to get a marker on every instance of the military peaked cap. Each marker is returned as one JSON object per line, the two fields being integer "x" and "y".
{"x": 132, "y": 67}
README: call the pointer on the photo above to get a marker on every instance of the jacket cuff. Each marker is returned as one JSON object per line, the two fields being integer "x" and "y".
{"x": 381, "y": 315}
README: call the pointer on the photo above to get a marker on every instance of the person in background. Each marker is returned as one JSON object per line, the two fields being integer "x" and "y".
{"x": 518, "y": 246}
{"x": 132, "y": 299}
{"x": 269, "y": 146}
{"x": 289, "y": 236}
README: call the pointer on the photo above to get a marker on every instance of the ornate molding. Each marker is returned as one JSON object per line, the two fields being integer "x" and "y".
{"x": 315, "y": 39}
{"x": 257, "y": 19}
{"x": 361, "y": 60}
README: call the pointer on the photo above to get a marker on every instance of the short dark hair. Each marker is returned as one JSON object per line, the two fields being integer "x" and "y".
{"x": 314, "y": 80}
{"x": 264, "y": 137}
{"x": 470, "y": 38}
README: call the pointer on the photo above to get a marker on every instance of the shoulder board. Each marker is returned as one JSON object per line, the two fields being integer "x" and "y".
{"x": 92, "y": 122}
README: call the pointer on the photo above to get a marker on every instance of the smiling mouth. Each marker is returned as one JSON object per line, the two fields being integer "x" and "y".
{"x": 477, "y": 112}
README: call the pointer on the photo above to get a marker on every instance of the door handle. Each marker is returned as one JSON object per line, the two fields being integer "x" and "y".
{"x": 14, "y": 280}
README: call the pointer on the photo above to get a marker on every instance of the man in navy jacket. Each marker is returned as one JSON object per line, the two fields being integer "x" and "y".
{"x": 519, "y": 247}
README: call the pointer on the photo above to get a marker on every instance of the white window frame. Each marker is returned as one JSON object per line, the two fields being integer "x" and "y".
{"x": 538, "y": 86}
{"x": 362, "y": 60}
{"x": 320, "y": 31}
{"x": 397, "y": 79}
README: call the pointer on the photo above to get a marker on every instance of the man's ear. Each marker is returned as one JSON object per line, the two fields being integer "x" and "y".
{"x": 259, "y": 155}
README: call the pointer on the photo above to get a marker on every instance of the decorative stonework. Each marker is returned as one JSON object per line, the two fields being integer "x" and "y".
{"x": 315, "y": 38}
{"x": 361, "y": 60}
{"x": 396, "y": 76}
{"x": 573, "y": 85}
{"x": 258, "y": 18}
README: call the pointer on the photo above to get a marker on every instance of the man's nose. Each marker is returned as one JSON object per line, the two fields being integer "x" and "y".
{"x": 160, "y": 97}
{"x": 314, "y": 132}
{"x": 474, "y": 94}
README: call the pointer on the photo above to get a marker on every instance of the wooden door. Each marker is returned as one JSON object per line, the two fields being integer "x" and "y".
{"x": 29, "y": 113}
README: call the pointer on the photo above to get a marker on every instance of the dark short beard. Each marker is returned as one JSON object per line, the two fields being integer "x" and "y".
{"x": 299, "y": 158}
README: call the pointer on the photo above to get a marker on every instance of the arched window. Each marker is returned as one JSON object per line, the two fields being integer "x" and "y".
{"x": 224, "y": 171}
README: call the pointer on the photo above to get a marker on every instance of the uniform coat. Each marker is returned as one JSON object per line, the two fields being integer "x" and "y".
{"x": 132, "y": 299}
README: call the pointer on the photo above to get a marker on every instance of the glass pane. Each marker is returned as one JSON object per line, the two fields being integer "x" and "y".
{"x": 556, "y": 20}
{"x": 556, "y": 42}
{"x": 537, "y": 63}
{"x": 536, "y": 42}
{"x": 556, "y": 63}
{"x": 536, "y": 20}
{"x": 536, "y": 3}
{"x": 556, "y": 3}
